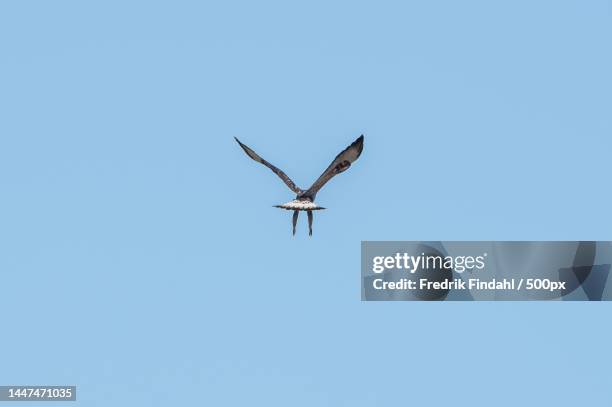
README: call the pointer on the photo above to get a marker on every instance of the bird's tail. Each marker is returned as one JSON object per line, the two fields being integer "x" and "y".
{"x": 300, "y": 205}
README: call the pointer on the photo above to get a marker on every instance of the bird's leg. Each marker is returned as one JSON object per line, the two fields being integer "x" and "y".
{"x": 295, "y": 218}
{"x": 309, "y": 223}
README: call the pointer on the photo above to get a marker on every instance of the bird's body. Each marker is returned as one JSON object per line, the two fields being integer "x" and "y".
{"x": 304, "y": 200}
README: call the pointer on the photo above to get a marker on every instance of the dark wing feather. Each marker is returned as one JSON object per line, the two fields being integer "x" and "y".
{"x": 277, "y": 171}
{"x": 341, "y": 163}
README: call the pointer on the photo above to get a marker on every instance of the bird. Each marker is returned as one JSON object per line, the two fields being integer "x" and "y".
{"x": 304, "y": 200}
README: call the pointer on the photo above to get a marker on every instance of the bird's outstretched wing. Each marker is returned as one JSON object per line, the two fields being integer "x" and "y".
{"x": 277, "y": 171}
{"x": 341, "y": 163}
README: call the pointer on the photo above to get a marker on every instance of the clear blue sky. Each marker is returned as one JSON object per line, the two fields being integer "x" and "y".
{"x": 140, "y": 255}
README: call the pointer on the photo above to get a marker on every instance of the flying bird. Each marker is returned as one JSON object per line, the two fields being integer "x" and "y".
{"x": 304, "y": 201}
